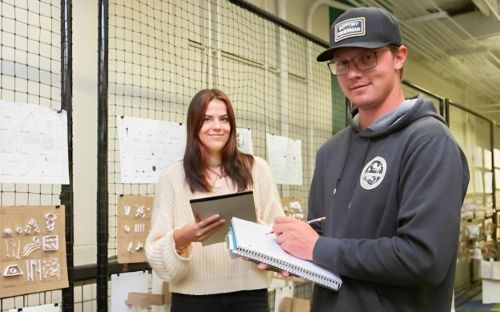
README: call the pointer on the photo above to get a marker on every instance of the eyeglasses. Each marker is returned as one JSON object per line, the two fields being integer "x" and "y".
{"x": 364, "y": 61}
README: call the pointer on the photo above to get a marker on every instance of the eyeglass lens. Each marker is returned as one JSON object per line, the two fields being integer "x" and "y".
{"x": 364, "y": 61}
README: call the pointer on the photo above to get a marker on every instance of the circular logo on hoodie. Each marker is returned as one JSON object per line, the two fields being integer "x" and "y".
{"x": 373, "y": 173}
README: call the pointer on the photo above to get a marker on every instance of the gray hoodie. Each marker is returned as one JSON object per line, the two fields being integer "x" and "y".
{"x": 392, "y": 195}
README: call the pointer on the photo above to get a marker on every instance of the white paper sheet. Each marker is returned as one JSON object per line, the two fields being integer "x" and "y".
{"x": 244, "y": 138}
{"x": 54, "y": 307}
{"x": 124, "y": 283}
{"x": 33, "y": 144}
{"x": 147, "y": 147}
{"x": 477, "y": 156}
{"x": 284, "y": 156}
{"x": 157, "y": 285}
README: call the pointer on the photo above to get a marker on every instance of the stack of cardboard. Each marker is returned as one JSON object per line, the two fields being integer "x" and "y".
{"x": 294, "y": 305}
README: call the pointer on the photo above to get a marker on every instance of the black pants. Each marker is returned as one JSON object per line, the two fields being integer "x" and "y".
{"x": 239, "y": 301}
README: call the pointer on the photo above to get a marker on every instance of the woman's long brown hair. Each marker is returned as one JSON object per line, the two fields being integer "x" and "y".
{"x": 236, "y": 165}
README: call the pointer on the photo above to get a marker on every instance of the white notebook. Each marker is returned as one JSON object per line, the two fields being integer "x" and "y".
{"x": 253, "y": 241}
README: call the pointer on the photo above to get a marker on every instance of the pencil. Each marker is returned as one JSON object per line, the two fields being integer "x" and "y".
{"x": 308, "y": 222}
{"x": 316, "y": 220}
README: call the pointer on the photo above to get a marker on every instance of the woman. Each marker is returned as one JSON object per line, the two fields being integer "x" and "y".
{"x": 207, "y": 278}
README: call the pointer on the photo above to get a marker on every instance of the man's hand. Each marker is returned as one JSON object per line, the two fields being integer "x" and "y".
{"x": 295, "y": 237}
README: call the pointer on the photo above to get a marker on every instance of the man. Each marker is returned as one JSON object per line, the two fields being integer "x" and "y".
{"x": 391, "y": 185}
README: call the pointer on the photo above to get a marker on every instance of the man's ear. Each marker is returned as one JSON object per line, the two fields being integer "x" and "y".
{"x": 400, "y": 57}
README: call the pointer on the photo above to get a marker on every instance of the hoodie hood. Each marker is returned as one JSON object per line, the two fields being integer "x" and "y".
{"x": 409, "y": 111}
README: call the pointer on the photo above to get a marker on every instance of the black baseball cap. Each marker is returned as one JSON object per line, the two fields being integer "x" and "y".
{"x": 364, "y": 27}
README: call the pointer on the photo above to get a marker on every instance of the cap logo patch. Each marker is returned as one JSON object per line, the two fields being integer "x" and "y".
{"x": 352, "y": 27}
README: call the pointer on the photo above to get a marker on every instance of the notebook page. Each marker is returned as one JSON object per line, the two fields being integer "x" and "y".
{"x": 254, "y": 236}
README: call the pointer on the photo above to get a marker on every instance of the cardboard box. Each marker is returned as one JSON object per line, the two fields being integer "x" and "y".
{"x": 143, "y": 300}
{"x": 146, "y": 300}
{"x": 295, "y": 305}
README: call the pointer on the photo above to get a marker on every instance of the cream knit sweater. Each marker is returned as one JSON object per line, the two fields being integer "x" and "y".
{"x": 210, "y": 269}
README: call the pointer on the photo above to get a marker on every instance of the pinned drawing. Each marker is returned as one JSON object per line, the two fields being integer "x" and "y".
{"x": 147, "y": 146}
{"x": 244, "y": 140}
{"x": 284, "y": 156}
{"x": 33, "y": 144}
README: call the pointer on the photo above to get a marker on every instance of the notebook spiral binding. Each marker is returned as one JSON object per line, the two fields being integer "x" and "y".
{"x": 291, "y": 268}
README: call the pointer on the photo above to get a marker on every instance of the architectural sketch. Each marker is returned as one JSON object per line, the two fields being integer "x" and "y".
{"x": 147, "y": 146}
{"x": 33, "y": 144}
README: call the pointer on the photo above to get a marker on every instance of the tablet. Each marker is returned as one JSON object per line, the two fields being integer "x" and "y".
{"x": 239, "y": 205}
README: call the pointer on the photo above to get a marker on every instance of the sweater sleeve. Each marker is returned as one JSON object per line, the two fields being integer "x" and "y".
{"x": 431, "y": 190}
{"x": 267, "y": 199}
{"x": 160, "y": 247}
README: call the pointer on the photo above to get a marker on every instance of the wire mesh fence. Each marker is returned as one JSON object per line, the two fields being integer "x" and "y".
{"x": 30, "y": 72}
{"x": 162, "y": 52}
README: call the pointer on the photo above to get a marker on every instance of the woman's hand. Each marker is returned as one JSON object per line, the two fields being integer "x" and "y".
{"x": 196, "y": 231}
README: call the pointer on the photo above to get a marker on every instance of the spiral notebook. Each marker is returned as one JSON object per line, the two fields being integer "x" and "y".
{"x": 252, "y": 240}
